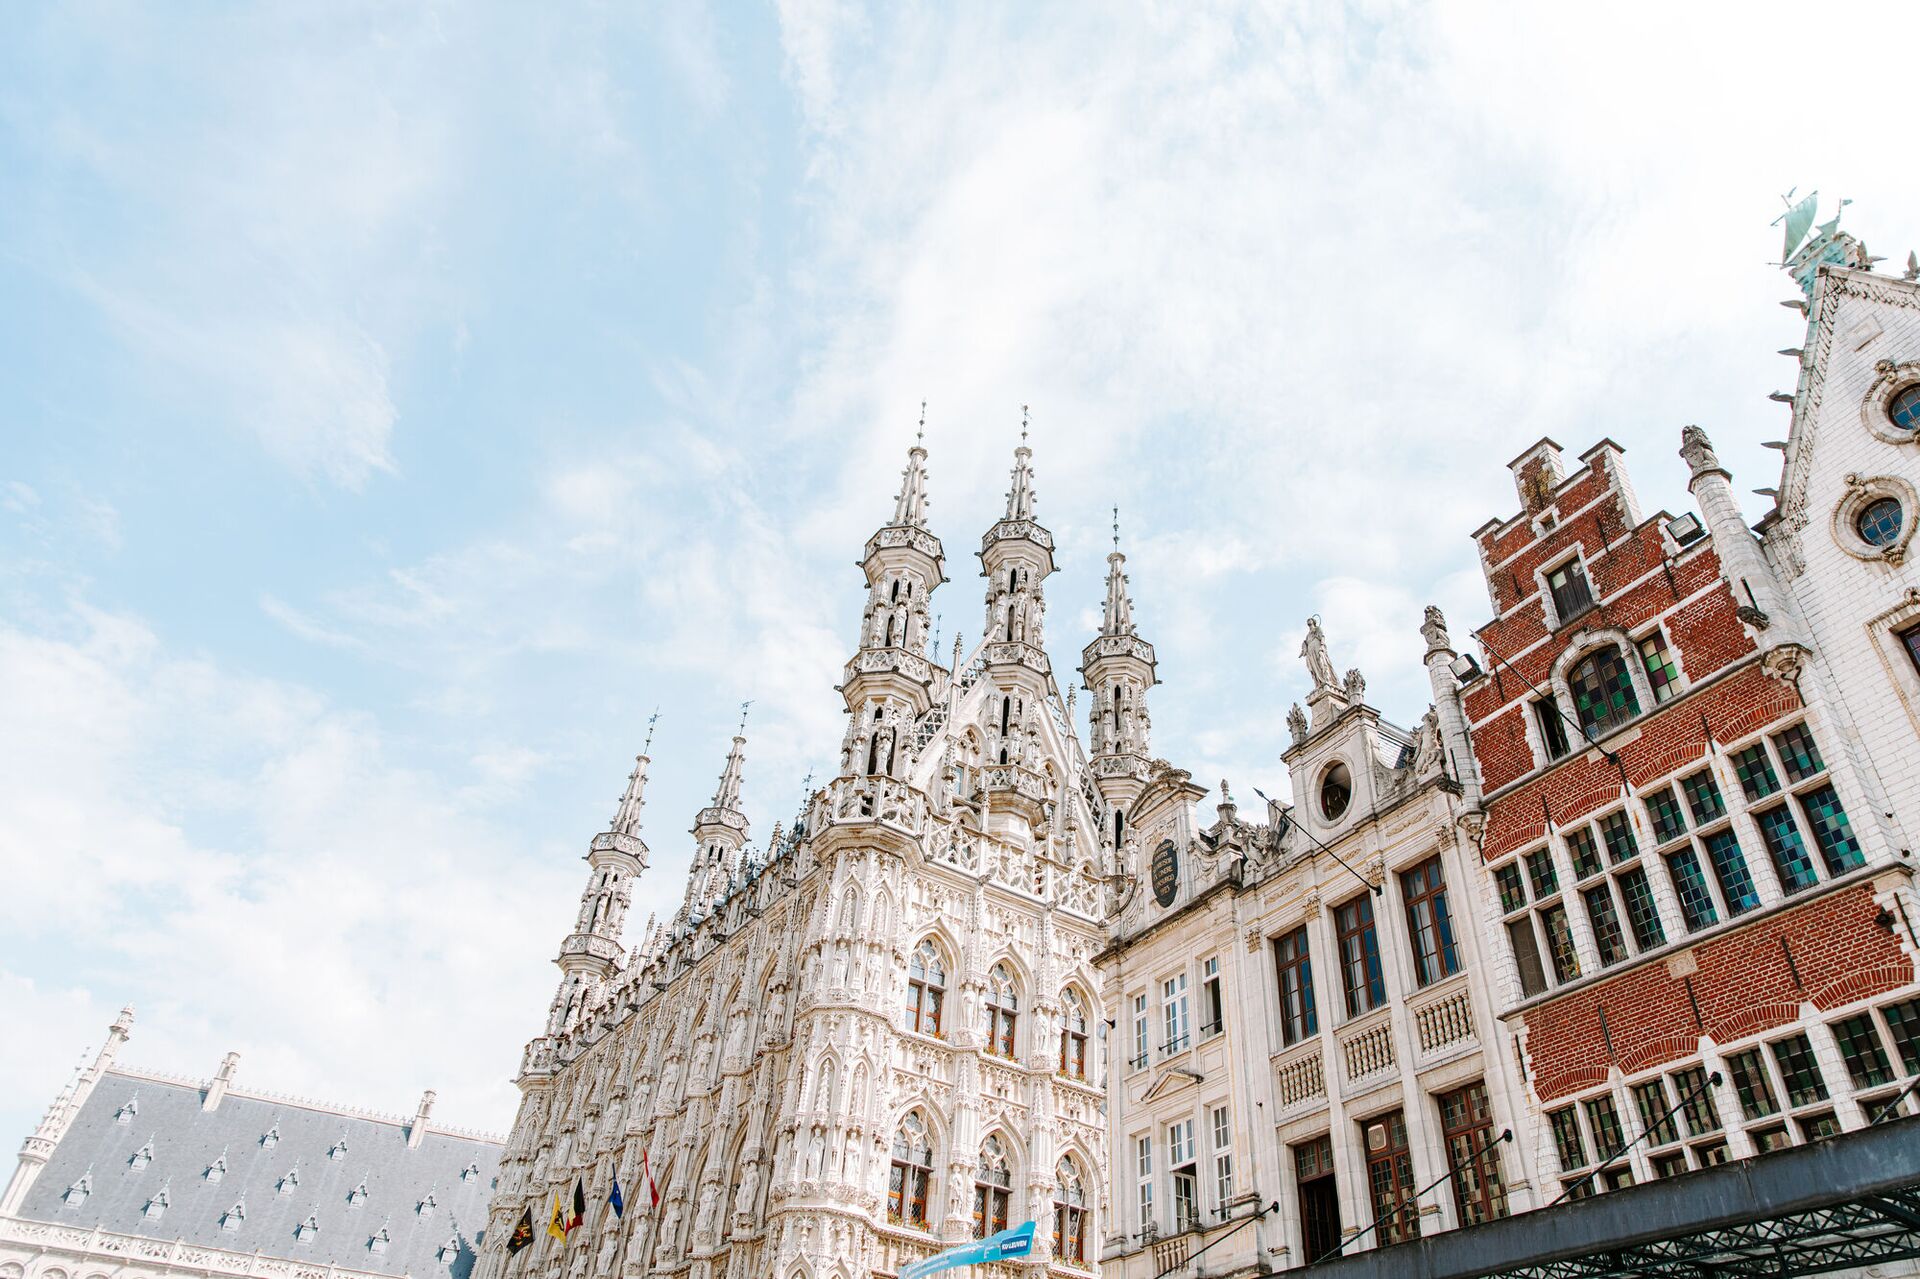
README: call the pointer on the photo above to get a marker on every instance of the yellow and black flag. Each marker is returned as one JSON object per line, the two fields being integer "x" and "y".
{"x": 557, "y": 1225}
{"x": 522, "y": 1233}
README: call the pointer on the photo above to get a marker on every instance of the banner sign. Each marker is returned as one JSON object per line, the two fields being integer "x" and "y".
{"x": 1017, "y": 1242}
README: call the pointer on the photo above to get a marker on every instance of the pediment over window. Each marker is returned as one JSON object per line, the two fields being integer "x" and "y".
{"x": 1170, "y": 1080}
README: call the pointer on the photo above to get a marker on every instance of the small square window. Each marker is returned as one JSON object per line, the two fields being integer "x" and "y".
{"x": 1819, "y": 1127}
{"x": 1860, "y": 1049}
{"x": 1672, "y": 1165}
{"x": 1663, "y": 810}
{"x": 1798, "y": 753}
{"x": 1755, "y": 771}
{"x": 1662, "y": 674}
{"x": 1582, "y": 851}
{"x": 1832, "y": 832}
{"x": 1766, "y": 1140}
{"x": 1617, "y": 832}
{"x": 1713, "y": 1154}
{"x": 1541, "y": 873}
{"x": 1799, "y": 1070}
{"x": 1703, "y": 798}
{"x": 1751, "y": 1085}
{"x": 1513, "y": 893}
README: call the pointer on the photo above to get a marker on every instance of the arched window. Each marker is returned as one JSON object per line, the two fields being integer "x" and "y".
{"x": 992, "y": 1190}
{"x": 889, "y": 643}
{"x": 912, "y": 1172}
{"x": 1603, "y": 696}
{"x": 1069, "y": 1212}
{"x": 926, "y": 988}
{"x": 1073, "y": 1035}
{"x": 1003, "y": 1011}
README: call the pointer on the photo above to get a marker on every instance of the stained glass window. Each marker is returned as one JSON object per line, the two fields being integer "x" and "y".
{"x": 1730, "y": 868}
{"x": 1607, "y": 937}
{"x": 1831, "y": 830}
{"x": 1663, "y": 809}
{"x": 1904, "y": 408}
{"x": 1583, "y": 853}
{"x": 1703, "y": 797}
{"x": 1860, "y": 1049}
{"x": 1788, "y": 850}
{"x": 1798, "y": 753}
{"x": 1617, "y": 831}
{"x": 1662, "y": 675}
{"x": 1603, "y": 696}
{"x": 1690, "y": 885}
{"x": 1643, "y": 917}
{"x": 1755, "y": 771}
{"x": 1799, "y": 1070}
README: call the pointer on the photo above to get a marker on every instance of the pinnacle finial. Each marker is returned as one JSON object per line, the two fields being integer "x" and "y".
{"x": 920, "y": 436}
{"x": 1023, "y": 424}
{"x": 652, "y": 719}
{"x": 910, "y": 505}
{"x": 743, "y": 718}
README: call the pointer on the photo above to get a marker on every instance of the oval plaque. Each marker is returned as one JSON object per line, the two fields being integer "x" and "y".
{"x": 1166, "y": 873}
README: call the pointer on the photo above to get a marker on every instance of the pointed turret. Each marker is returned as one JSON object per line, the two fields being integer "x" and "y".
{"x": 592, "y": 952}
{"x": 720, "y": 831}
{"x": 1016, "y": 556}
{"x": 890, "y": 683}
{"x": 1118, "y": 667}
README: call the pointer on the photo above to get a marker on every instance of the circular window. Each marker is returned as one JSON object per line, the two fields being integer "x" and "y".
{"x": 1879, "y": 522}
{"x": 1904, "y": 408}
{"x": 1336, "y": 792}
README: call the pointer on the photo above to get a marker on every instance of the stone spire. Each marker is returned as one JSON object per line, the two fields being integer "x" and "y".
{"x": 727, "y": 794}
{"x": 1119, "y": 616}
{"x": 721, "y": 832}
{"x": 1119, "y": 668}
{"x": 627, "y": 820}
{"x": 910, "y": 507}
{"x": 1020, "y": 497}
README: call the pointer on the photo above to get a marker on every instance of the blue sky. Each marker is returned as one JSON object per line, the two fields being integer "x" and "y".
{"x": 398, "y": 404}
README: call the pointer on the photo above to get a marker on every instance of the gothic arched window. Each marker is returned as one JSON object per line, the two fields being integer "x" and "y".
{"x": 1603, "y": 696}
{"x": 912, "y": 1172}
{"x": 926, "y": 988}
{"x": 992, "y": 1190}
{"x": 1073, "y": 1035}
{"x": 1069, "y": 1212}
{"x": 1003, "y": 1011}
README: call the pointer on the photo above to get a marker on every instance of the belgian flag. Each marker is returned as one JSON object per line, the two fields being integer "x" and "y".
{"x": 522, "y": 1233}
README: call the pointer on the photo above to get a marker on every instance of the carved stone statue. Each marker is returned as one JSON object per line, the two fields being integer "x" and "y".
{"x": 748, "y": 1194}
{"x": 1434, "y": 630}
{"x": 1356, "y": 688}
{"x": 1426, "y": 746}
{"x": 1297, "y": 723}
{"x": 705, "y": 1216}
{"x": 1314, "y": 649}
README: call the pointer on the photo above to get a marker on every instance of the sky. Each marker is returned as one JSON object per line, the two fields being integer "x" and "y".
{"x": 399, "y": 405}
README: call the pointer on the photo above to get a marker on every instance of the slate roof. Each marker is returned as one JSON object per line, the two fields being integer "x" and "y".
{"x": 186, "y": 1140}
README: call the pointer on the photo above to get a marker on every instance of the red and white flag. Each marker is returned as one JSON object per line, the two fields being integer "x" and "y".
{"x": 646, "y": 1169}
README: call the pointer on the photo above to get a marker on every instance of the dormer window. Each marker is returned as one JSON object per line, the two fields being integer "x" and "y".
{"x": 449, "y": 1251}
{"x": 77, "y": 1193}
{"x": 470, "y": 1173}
{"x": 1336, "y": 792}
{"x": 128, "y": 1109}
{"x": 235, "y": 1217}
{"x": 289, "y": 1183}
{"x": 270, "y": 1138}
{"x": 142, "y": 1157}
{"x": 357, "y": 1196}
{"x": 156, "y": 1206}
{"x": 306, "y": 1230}
{"x": 380, "y": 1240}
{"x": 1571, "y": 594}
{"x": 217, "y": 1169}
{"x": 426, "y": 1206}
{"x": 339, "y": 1149}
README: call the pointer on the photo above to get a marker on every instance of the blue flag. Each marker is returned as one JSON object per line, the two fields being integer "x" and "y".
{"x": 619, "y": 1204}
{"x": 1017, "y": 1242}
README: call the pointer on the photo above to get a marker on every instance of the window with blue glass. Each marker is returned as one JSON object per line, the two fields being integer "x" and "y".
{"x": 1643, "y": 917}
{"x": 1903, "y": 410}
{"x": 1690, "y": 886}
{"x": 1730, "y": 868}
{"x": 1603, "y": 696}
{"x": 1583, "y": 853}
{"x": 1429, "y": 922}
{"x": 1298, "y": 1019}
{"x": 1832, "y": 833}
{"x": 1879, "y": 522}
{"x": 1798, "y": 755}
{"x": 1663, "y": 810}
{"x": 1703, "y": 797}
{"x": 1755, "y": 771}
{"x": 1617, "y": 832}
{"x": 1360, "y": 973}
{"x": 1787, "y": 849}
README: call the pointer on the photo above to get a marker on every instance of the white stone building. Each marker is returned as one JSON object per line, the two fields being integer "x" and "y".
{"x": 879, "y": 1035}
{"x": 1342, "y": 1052}
{"x": 137, "y": 1175}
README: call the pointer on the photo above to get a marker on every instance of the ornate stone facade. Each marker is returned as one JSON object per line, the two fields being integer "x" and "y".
{"x": 845, "y": 1051}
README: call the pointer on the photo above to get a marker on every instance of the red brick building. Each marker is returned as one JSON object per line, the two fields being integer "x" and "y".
{"x": 1690, "y": 877}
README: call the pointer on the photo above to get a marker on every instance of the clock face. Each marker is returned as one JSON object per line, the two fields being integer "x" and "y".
{"x": 1166, "y": 873}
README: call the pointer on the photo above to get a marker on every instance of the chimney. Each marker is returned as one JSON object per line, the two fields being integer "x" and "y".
{"x": 1536, "y": 474}
{"x": 418, "y": 1128}
{"x": 221, "y": 1082}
